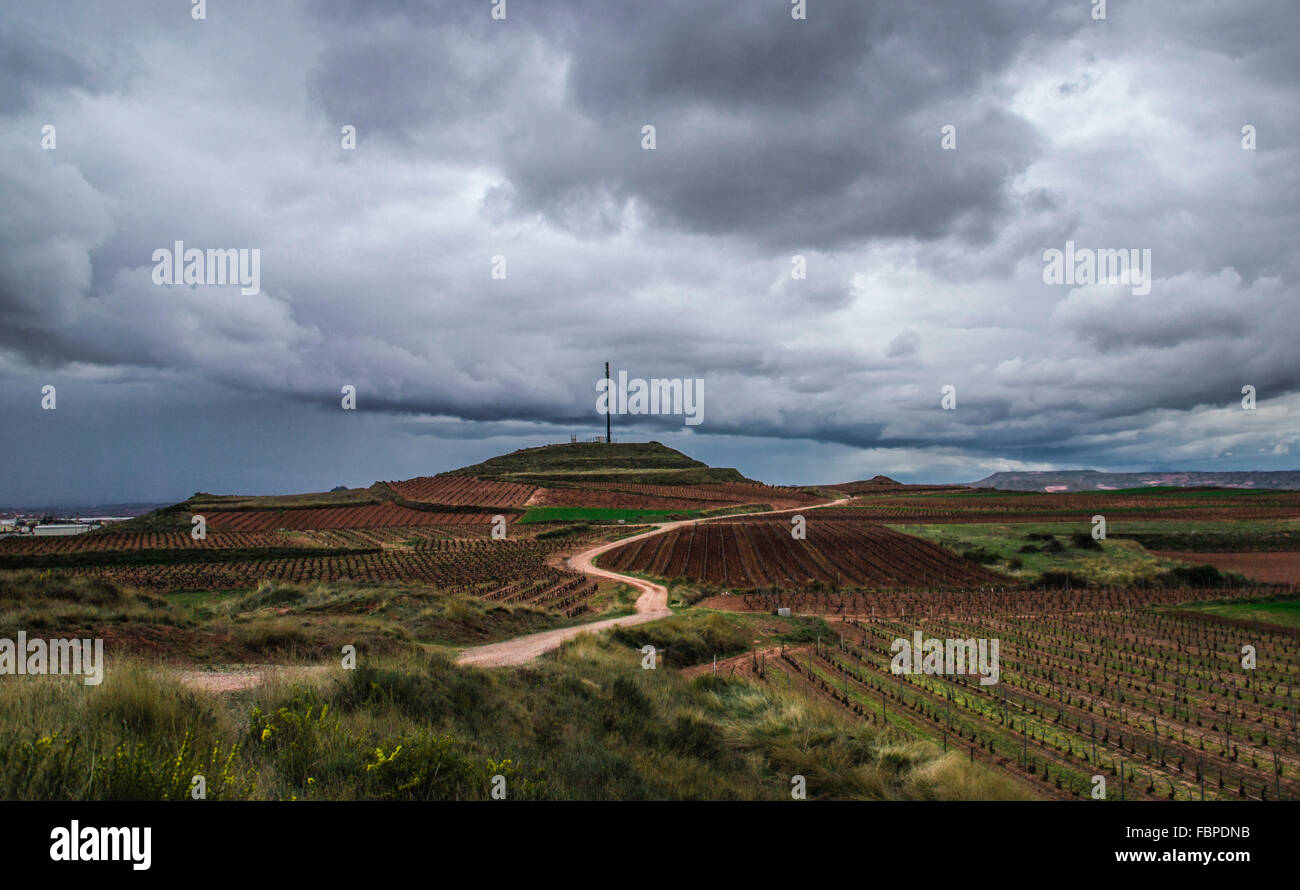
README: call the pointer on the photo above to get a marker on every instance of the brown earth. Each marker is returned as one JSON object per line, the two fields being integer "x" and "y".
{"x": 1271, "y": 567}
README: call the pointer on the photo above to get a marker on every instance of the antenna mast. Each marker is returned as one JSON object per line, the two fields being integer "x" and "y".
{"x": 608, "y": 384}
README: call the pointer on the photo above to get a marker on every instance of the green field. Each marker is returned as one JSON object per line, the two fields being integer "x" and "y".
{"x": 1028, "y": 551}
{"x": 1284, "y": 611}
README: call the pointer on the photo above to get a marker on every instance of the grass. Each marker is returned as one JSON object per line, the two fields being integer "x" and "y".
{"x": 688, "y": 639}
{"x": 1047, "y": 552}
{"x": 1283, "y": 610}
{"x": 587, "y": 723}
{"x": 696, "y": 635}
{"x": 50, "y": 602}
{"x": 273, "y": 622}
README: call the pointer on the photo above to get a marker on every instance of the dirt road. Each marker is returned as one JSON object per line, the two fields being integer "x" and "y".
{"x": 651, "y": 605}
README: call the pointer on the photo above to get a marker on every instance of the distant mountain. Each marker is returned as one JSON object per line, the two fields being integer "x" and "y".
{"x": 1094, "y": 480}
{"x": 73, "y": 510}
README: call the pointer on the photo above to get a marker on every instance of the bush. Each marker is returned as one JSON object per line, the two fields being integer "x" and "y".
{"x": 268, "y": 634}
{"x": 694, "y": 738}
{"x": 686, "y": 640}
{"x": 981, "y": 555}
{"x": 629, "y": 698}
{"x": 57, "y": 767}
{"x": 1196, "y": 576}
{"x": 1060, "y": 580}
{"x": 268, "y": 594}
{"x": 424, "y": 766}
{"x": 563, "y": 531}
{"x": 1084, "y": 541}
{"x": 299, "y": 736}
{"x": 42, "y": 586}
{"x": 136, "y": 702}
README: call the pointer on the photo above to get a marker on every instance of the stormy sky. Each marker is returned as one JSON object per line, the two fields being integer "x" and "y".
{"x": 522, "y": 138}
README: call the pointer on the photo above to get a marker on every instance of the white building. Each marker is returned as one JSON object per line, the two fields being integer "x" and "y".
{"x": 63, "y": 528}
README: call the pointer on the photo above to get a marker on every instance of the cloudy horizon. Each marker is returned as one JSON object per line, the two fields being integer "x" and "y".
{"x": 916, "y": 159}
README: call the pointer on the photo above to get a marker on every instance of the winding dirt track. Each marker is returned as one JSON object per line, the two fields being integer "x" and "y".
{"x": 651, "y": 605}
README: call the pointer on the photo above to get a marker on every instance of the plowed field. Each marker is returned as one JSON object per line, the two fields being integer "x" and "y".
{"x": 462, "y": 491}
{"x": 758, "y": 553}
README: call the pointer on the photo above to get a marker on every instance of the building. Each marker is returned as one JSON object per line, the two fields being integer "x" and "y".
{"x": 63, "y": 528}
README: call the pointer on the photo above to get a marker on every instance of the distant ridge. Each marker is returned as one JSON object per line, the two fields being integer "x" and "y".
{"x": 880, "y": 485}
{"x": 74, "y": 509}
{"x": 1095, "y": 480}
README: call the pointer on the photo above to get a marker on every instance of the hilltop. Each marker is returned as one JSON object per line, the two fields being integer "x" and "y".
{"x": 562, "y": 476}
{"x": 639, "y": 463}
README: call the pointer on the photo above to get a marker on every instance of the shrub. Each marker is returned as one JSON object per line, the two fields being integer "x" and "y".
{"x": 58, "y": 767}
{"x": 1084, "y": 541}
{"x": 685, "y": 640}
{"x": 981, "y": 555}
{"x": 299, "y": 736}
{"x": 43, "y": 586}
{"x": 425, "y": 766}
{"x": 266, "y": 634}
{"x": 1059, "y": 580}
{"x": 1196, "y": 576}
{"x": 695, "y": 738}
{"x": 136, "y": 702}
{"x": 268, "y": 594}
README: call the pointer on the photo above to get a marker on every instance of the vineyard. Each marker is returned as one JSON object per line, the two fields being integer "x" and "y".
{"x": 370, "y": 516}
{"x": 617, "y": 500}
{"x": 984, "y": 506}
{"x": 1156, "y": 702}
{"x": 462, "y": 491}
{"x": 757, "y": 553}
{"x": 512, "y": 571}
{"x": 106, "y": 541}
{"x": 733, "y": 493}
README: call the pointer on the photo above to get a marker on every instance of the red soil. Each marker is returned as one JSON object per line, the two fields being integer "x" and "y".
{"x": 1271, "y": 567}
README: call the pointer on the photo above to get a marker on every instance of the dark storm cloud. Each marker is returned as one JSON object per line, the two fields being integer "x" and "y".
{"x": 34, "y": 69}
{"x": 817, "y": 133}
{"x": 522, "y": 138}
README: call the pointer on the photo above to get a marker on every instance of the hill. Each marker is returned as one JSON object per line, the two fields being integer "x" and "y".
{"x": 638, "y": 463}
{"x": 1094, "y": 480}
{"x": 563, "y": 477}
{"x": 882, "y": 485}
